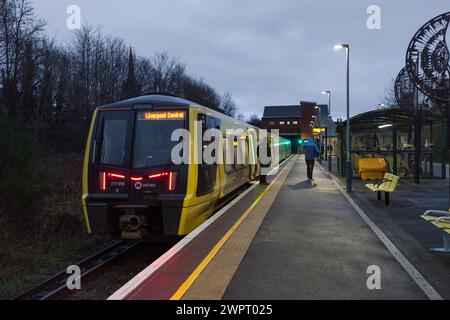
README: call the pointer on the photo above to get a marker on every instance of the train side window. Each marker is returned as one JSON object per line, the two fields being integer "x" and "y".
{"x": 229, "y": 168}
{"x": 218, "y": 123}
{"x": 211, "y": 122}
{"x": 243, "y": 148}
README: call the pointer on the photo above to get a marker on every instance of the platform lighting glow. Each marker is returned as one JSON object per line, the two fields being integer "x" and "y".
{"x": 385, "y": 126}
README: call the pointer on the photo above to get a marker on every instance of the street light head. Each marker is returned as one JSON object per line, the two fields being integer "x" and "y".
{"x": 326, "y": 92}
{"x": 340, "y": 46}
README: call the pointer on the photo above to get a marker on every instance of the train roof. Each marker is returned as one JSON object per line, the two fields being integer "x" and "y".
{"x": 154, "y": 100}
{"x": 164, "y": 101}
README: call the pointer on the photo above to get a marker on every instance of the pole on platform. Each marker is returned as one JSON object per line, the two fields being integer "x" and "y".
{"x": 448, "y": 133}
{"x": 417, "y": 147}
{"x": 330, "y": 158}
{"x": 349, "y": 155}
{"x": 348, "y": 167}
{"x": 328, "y": 153}
{"x": 417, "y": 134}
{"x": 342, "y": 155}
{"x": 444, "y": 150}
{"x": 394, "y": 150}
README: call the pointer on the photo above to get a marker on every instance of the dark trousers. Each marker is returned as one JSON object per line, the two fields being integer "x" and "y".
{"x": 310, "y": 169}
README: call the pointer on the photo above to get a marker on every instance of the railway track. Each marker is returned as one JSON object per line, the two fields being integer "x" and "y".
{"x": 57, "y": 284}
{"x": 55, "y": 287}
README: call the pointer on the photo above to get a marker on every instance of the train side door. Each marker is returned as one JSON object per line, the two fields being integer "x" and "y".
{"x": 252, "y": 145}
{"x": 207, "y": 173}
{"x": 214, "y": 123}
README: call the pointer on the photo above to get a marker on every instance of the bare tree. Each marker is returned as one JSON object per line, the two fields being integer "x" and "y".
{"x": 27, "y": 83}
{"x": 228, "y": 105}
{"x": 144, "y": 73}
{"x": 199, "y": 91}
{"x": 18, "y": 26}
{"x": 388, "y": 97}
{"x": 46, "y": 85}
{"x": 254, "y": 120}
{"x": 114, "y": 67}
{"x": 131, "y": 87}
{"x": 166, "y": 70}
{"x": 53, "y": 88}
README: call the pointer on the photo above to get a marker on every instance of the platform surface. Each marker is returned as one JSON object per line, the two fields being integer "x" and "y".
{"x": 296, "y": 239}
{"x": 313, "y": 245}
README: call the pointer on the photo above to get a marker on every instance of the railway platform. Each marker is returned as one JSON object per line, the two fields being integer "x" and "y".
{"x": 293, "y": 239}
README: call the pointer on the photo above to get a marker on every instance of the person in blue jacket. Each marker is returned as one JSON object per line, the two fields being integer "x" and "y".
{"x": 311, "y": 153}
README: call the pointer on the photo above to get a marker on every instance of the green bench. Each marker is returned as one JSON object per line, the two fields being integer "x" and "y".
{"x": 387, "y": 185}
{"x": 441, "y": 220}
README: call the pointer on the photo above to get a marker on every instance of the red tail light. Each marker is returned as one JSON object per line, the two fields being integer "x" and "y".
{"x": 136, "y": 179}
{"x": 159, "y": 175}
{"x": 107, "y": 176}
{"x": 118, "y": 176}
{"x": 171, "y": 179}
{"x": 172, "y": 183}
{"x": 103, "y": 181}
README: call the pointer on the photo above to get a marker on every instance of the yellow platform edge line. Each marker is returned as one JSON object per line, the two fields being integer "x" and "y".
{"x": 178, "y": 295}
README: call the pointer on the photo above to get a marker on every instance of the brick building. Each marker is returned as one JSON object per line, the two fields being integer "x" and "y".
{"x": 293, "y": 122}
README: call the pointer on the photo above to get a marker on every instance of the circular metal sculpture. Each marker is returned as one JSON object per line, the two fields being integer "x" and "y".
{"x": 427, "y": 59}
{"x": 404, "y": 94}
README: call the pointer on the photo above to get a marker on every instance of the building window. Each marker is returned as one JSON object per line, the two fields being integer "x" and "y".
{"x": 272, "y": 123}
{"x": 295, "y": 122}
{"x": 282, "y": 123}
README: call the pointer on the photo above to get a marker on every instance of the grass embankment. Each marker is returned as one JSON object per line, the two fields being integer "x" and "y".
{"x": 41, "y": 220}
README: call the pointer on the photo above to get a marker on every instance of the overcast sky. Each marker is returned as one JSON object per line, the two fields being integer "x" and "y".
{"x": 265, "y": 52}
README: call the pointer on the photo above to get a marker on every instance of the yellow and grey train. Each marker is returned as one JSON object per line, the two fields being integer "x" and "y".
{"x": 130, "y": 184}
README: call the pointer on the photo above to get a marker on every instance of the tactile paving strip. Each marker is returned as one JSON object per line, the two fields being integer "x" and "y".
{"x": 214, "y": 279}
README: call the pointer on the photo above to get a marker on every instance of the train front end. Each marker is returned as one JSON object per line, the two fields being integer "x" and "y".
{"x": 131, "y": 188}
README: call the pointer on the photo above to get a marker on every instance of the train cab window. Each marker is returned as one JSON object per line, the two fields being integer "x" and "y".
{"x": 113, "y": 138}
{"x": 152, "y": 138}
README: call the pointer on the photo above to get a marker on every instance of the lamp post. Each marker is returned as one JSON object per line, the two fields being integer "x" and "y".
{"x": 328, "y": 156}
{"x": 329, "y": 100}
{"x": 349, "y": 172}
